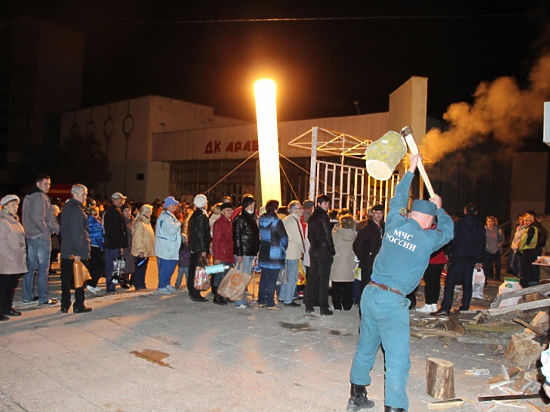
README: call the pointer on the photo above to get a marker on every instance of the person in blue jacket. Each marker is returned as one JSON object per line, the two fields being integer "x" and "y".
{"x": 407, "y": 245}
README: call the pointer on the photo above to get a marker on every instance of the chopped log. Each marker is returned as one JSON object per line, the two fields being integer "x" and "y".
{"x": 536, "y": 329}
{"x": 442, "y": 405}
{"x": 453, "y": 325}
{"x": 522, "y": 350}
{"x": 540, "y": 319}
{"x": 522, "y": 306}
{"x": 532, "y": 375}
{"x": 423, "y": 333}
{"x": 508, "y": 397}
{"x": 440, "y": 381}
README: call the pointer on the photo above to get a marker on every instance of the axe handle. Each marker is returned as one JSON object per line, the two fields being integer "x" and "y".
{"x": 414, "y": 150}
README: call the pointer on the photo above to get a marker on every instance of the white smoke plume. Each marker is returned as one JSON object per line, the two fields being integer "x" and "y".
{"x": 501, "y": 110}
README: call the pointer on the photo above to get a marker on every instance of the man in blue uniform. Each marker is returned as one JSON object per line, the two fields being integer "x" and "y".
{"x": 406, "y": 248}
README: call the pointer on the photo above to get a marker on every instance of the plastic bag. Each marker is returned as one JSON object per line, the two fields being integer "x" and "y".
{"x": 478, "y": 282}
{"x": 202, "y": 279}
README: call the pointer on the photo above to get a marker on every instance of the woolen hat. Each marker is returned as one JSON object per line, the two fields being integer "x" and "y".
{"x": 226, "y": 206}
{"x": 200, "y": 201}
{"x": 169, "y": 201}
{"x": 8, "y": 198}
{"x": 424, "y": 206}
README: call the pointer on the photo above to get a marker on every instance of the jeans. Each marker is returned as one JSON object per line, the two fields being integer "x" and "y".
{"x": 182, "y": 270}
{"x": 461, "y": 268}
{"x": 266, "y": 290}
{"x": 67, "y": 276}
{"x": 166, "y": 269}
{"x": 287, "y": 290}
{"x": 385, "y": 320}
{"x": 38, "y": 257}
{"x": 110, "y": 255}
{"x": 245, "y": 267}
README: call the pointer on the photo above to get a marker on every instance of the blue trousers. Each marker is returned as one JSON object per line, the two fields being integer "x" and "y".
{"x": 38, "y": 258}
{"x": 266, "y": 291}
{"x": 384, "y": 320}
{"x": 287, "y": 290}
{"x": 165, "y": 269}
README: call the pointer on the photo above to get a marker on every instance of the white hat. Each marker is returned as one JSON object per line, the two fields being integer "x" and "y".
{"x": 200, "y": 201}
{"x": 118, "y": 195}
{"x": 8, "y": 198}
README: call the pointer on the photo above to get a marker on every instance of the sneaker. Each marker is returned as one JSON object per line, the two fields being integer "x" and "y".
{"x": 91, "y": 289}
{"x": 98, "y": 289}
{"x": 114, "y": 281}
{"x": 48, "y": 302}
{"x": 428, "y": 308}
{"x": 242, "y": 306}
{"x": 170, "y": 288}
{"x": 274, "y": 308}
{"x": 164, "y": 291}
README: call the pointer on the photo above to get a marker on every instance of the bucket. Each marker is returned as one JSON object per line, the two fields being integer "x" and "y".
{"x": 509, "y": 285}
{"x": 384, "y": 154}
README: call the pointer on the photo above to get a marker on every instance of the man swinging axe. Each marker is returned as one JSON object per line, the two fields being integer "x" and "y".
{"x": 407, "y": 245}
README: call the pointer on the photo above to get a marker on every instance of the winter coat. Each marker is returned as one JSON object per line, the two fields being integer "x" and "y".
{"x": 344, "y": 259}
{"x": 13, "y": 254}
{"x": 320, "y": 235}
{"x": 185, "y": 253}
{"x": 115, "y": 228}
{"x": 469, "y": 239}
{"x": 97, "y": 234}
{"x": 246, "y": 235}
{"x": 143, "y": 237}
{"x": 222, "y": 240}
{"x": 38, "y": 218}
{"x": 368, "y": 242}
{"x": 273, "y": 242}
{"x": 168, "y": 240}
{"x": 75, "y": 236}
{"x": 199, "y": 232}
{"x": 293, "y": 227}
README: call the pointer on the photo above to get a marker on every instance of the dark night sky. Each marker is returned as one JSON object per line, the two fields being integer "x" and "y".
{"x": 321, "y": 66}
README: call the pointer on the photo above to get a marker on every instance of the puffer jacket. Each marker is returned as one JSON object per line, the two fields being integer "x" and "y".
{"x": 199, "y": 232}
{"x": 168, "y": 232}
{"x": 344, "y": 259}
{"x": 246, "y": 235}
{"x": 13, "y": 254}
{"x": 143, "y": 239}
{"x": 97, "y": 234}
{"x": 273, "y": 242}
{"x": 320, "y": 235}
{"x": 75, "y": 236}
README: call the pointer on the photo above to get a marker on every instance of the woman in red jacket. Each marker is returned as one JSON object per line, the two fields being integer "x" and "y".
{"x": 222, "y": 247}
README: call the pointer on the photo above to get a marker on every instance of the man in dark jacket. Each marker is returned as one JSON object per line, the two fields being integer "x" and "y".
{"x": 367, "y": 243}
{"x": 321, "y": 252}
{"x": 199, "y": 242}
{"x": 116, "y": 239}
{"x": 465, "y": 254}
{"x": 75, "y": 245}
{"x": 246, "y": 239}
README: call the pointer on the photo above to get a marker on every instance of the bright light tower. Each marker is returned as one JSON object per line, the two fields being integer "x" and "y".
{"x": 268, "y": 143}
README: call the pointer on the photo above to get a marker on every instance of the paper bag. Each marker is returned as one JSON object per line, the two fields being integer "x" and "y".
{"x": 80, "y": 274}
{"x": 234, "y": 284}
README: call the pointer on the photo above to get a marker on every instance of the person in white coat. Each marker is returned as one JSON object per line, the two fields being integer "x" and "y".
{"x": 294, "y": 252}
{"x": 342, "y": 270}
{"x": 167, "y": 244}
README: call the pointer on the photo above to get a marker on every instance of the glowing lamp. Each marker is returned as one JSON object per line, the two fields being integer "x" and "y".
{"x": 268, "y": 143}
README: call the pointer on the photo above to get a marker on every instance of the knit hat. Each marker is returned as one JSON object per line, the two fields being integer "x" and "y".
{"x": 424, "y": 206}
{"x": 226, "y": 206}
{"x": 8, "y": 198}
{"x": 169, "y": 201}
{"x": 200, "y": 201}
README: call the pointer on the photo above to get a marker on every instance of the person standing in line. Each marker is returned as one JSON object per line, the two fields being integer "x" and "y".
{"x": 222, "y": 248}
{"x": 96, "y": 264}
{"x": 39, "y": 223}
{"x": 341, "y": 272}
{"x": 12, "y": 254}
{"x": 246, "y": 240}
{"x": 294, "y": 252}
{"x": 309, "y": 207}
{"x": 272, "y": 253}
{"x": 494, "y": 238}
{"x": 130, "y": 266}
{"x": 406, "y": 248}
{"x": 143, "y": 245}
{"x": 321, "y": 254}
{"x": 199, "y": 243}
{"x": 75, "y": 245}
{"x": 167, "y": 245}
{"x": 116, "y": 239}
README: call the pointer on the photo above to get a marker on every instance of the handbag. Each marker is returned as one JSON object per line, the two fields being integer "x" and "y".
{"x": 234, "y": 284}
{"x": 202, "y": 279}
{"x": 80, "y": 273}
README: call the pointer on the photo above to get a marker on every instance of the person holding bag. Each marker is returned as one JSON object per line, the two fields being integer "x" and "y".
{"x": 222, "y": 248}
{"x": 199, "y": 243}
{"x": 143, "y": 244}
{"x": 271, "y": 258}
{"x": 75, "y": 245}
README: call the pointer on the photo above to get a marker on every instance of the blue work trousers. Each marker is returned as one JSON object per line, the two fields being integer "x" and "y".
{"x": 384, "y": 320}
{"x": 38, "y": 258}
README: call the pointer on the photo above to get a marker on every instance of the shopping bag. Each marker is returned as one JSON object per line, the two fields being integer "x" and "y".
{"x": 202, "y": 279}
{"x": 80, "y": 273}
{"x": 234, "y": 284}
{"x": 301, "y": 274}
{"x": 478, "y": 282}
{"x": 282, "y": 279}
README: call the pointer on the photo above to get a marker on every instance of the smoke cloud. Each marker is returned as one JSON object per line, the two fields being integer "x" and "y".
{"x": 501, "y": 110}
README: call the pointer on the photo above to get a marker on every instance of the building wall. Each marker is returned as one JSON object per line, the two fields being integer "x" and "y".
{"x": 529, "y": 183}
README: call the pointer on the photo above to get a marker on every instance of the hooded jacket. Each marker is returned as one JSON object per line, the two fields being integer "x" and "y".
{"x": 143, "y": 239}
{"x": 13, "y": 253}
{"x": 38, "y": 218}
{"x": 273, "y": 242}
{"x": 344, "y": 259}
{"x": 75, "y": 236}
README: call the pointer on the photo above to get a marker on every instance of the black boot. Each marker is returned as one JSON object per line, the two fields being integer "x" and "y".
{"x": 218, "y": 299}
{"x": 392, "y": 409}
{"x": 358, "y": 399}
